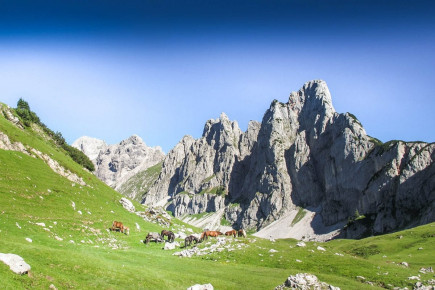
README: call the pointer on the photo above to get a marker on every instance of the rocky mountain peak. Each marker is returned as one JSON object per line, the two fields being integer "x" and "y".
{"x": 303, "y": 155}
{"x": 115, "y": 164}
{"x": 133, "y": 139}
{"x": 90, "y": 146}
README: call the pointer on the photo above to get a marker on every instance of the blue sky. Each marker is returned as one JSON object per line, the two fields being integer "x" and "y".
{"x": 160, "y": 69}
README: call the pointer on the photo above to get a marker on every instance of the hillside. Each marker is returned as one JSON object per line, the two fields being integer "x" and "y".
{"x": 71, "y": 246}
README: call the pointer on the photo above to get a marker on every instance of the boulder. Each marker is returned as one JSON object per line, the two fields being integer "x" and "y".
{"x": 127, "y": 204}
{"x": 16, "y": 263}
{"x": 305, "y": 281}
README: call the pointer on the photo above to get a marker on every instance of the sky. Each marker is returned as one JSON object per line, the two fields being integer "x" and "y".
{"x": 161, "y": 69}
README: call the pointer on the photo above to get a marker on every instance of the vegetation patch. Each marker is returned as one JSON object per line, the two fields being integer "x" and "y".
{"x": 225, "y": 222}
{"x": 300, "y": 215}
{"x": 365, "y": 251}
{"x": 218, "y": 190}
{"x": 208, "y": 178}
{"x": 355, "y": 119}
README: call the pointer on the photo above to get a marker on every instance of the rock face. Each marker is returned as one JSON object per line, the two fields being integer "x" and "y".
{"x": 16, "y": 263}
{"x": 302, "y": 155}
{"x": 115, "y": 164}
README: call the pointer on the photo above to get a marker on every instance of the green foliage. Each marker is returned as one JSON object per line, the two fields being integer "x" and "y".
{"x": 225, "y": 222}
{"x": 218, "y": 190}
{"x": 208, "y": 178}
{"x": 79, "y": 157}
{"x": 27, "y": 116}
{"x": 300, "y": 215}
{"x": 355, "y": 119}
{"x": 365, "y": 251}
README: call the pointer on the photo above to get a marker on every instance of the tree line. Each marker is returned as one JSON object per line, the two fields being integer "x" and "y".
{"x": 29, "y": 117}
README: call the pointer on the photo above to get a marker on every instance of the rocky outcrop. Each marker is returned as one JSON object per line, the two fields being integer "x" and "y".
{"x": 116, "y": 164}
{"x": 302, "y": 155}
{"x": 304, "y": 281}
{"x": 6, "y": 144}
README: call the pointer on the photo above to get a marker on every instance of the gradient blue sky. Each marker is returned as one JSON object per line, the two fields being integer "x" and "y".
{"x": 160, "y": 69}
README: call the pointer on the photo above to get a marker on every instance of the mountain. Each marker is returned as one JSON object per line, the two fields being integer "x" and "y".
{"x": 116, "y": 164}
{"x": 305, "y": 171}
{"x": 56, "y": 216}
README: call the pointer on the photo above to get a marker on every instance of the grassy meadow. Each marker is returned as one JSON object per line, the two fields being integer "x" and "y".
{"x": 72, "y": 247}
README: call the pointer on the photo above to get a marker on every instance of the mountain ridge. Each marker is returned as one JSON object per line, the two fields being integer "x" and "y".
{"x": 303, "y": 154}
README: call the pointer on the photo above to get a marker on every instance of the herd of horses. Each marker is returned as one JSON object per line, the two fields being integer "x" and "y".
{"x": 194, "y": 238}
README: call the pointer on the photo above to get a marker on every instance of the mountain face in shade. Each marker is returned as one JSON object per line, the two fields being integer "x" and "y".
{"x": 116, "y": 164}
{"x": 303, "y": 157}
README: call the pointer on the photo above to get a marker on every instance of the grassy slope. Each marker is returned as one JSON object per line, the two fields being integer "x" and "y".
{"x": 141, "y": 182}
{"x": 31, "y": 192}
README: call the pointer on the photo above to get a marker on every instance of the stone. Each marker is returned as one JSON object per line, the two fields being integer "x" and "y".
{"x": 319, "y": 248}
{"x": 15, "y": 263}
{"x": 304, "y": 281}
{"x": 127, "y": 204}
{"x": 169, "y": 246}
{"x": 201, "y": 287}
{"x": 29, "y": 240}
{"x": 301, "y": 244}
{"x": 273, "y": 251}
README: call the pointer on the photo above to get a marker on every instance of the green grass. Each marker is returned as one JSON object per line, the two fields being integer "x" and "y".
{"x": 141, "y": 182}
{"x": 225, "y": 222}
{"x": 30, "y": 193}
{"x": 300, "y": 215}
{"x": 208, "y": 178}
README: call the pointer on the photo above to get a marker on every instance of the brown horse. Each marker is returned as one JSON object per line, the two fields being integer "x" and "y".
{"x": 207, "y": 234}
{"x": 241, "y": 233}
{"x": 119, "y": 226}
{"x": 171, "y": 235}
{"x": 231, "y": 233}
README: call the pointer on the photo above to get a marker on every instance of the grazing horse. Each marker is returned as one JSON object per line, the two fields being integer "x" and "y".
{"x": 231, "y": 233}
{"x": 188, "y": 240}
{"x": 119, "y": 226}
{"x": 154, "y": 237}
{"x": 207, "y": 234}
{"x": 171, "y": 235}
{"x": 241, "y": 233}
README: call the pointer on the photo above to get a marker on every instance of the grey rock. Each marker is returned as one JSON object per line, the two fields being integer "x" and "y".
{"x": 304, "y": 281}
{"x": 15, "y": 263}
{"x": 127, "y": 204}
{"x": 201, "y": 287}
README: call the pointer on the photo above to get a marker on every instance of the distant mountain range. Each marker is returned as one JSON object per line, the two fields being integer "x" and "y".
{"x": 305, "y": 172}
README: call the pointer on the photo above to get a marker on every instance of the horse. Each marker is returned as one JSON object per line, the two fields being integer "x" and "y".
{"x": 207, "y": 234}
{"x": 188, "y": 240}
{"x": 155, "y": 237}
{"x": 241, "y": 233}
{"x": 171, "y": 235}
{"x": 119, "y": 226}
{"x": 231, "y": 233}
